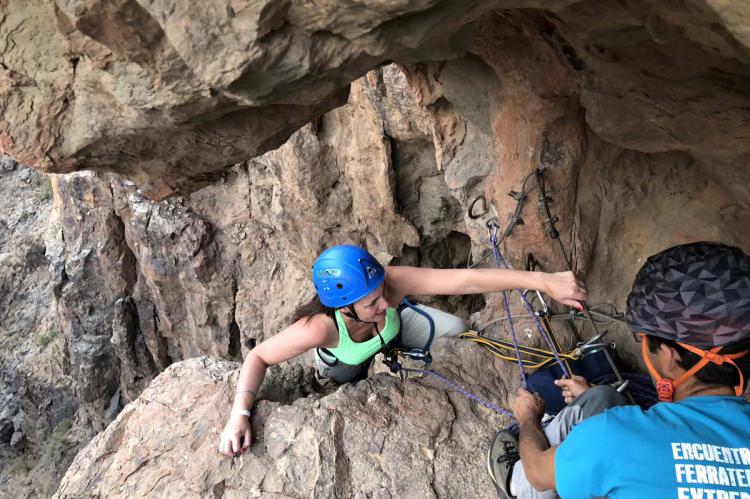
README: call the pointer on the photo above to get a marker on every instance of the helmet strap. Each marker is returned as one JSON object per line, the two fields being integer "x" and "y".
{"x": 665, "y": 387}
{"x": 714, "y": 357}
{"x": 350, "y": 312}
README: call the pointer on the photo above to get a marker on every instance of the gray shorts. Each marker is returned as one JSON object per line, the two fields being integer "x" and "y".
{"x": 415, "y": 331}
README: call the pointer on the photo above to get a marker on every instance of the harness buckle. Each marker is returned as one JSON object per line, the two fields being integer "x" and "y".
{"x": 422, "y": 357}
{"x": 620, "y": 387}
{"x": 665, "y": 389}
{"x": 417, "y": 354}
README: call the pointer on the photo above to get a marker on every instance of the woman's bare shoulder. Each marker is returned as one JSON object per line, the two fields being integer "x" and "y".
{"x": 321, "y": 327}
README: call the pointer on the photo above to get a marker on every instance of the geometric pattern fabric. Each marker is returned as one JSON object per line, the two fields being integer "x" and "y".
{"x": 697, "y": 293}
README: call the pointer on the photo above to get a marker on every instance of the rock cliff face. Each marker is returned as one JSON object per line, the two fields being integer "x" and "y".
{"x": 371, "y": 439}
{"x": 140, "y": 284}
{"x": 176, "y": 86}
{"x": 37, "y": 405}
{"x": 244, "y": 113}
{"x": 214, "y": 273}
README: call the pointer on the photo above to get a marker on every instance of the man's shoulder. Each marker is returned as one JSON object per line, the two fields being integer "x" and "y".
{"x": 720, "y": 404}
{"x": 729, "y": 411}
{"x": 624, "y": 423}
{"x": 603, "y": 428}
{"x": 620, "y": 415}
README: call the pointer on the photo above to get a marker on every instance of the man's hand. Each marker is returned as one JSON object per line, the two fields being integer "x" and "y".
{"x": 528, "y": 406}
{"x": 572, "y": 387}
{"x": 537, "y": 455}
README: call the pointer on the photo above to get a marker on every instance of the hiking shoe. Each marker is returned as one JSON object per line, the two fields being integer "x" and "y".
{"x": 501, "y": 456}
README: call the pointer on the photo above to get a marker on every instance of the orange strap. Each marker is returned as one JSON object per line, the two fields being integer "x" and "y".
{"x": 664, "y": 386}
{"x": 706, "y": 357}
{"x": 713, "y": 356}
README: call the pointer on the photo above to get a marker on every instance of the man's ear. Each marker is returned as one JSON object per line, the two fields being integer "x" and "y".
{"x": 669, "y": 359}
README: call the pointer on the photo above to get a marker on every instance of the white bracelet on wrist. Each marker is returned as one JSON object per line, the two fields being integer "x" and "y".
{"x": 244, "y": 412}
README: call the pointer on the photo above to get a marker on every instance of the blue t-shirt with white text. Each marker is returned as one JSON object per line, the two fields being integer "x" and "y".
{"x": 693, "y": 449}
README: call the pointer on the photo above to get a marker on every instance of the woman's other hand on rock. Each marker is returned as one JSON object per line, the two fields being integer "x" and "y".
{"x": 236, "y": 437}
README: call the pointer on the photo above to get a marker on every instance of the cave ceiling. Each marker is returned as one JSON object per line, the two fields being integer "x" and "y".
{"x": 171, "y": 93}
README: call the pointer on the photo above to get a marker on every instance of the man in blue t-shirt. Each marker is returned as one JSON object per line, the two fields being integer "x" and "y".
{"x": 690, "y": 307}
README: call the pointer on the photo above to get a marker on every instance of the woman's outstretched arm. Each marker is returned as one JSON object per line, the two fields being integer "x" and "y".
{"x": 564, "y": 287}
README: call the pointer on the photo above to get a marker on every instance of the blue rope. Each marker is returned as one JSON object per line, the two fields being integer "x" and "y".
{"x": 501, "y": 261}
{"x": 506, "y": 302}
{"x": 461, "y": 390}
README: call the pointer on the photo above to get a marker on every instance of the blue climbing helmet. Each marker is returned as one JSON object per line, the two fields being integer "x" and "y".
{"x": 343, "y": 275}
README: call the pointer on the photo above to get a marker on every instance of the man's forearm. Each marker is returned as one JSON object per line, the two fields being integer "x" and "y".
{"x": 537, "y": 457}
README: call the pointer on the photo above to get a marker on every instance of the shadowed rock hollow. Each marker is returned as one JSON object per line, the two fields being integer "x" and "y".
{"x": 278, "y": 128}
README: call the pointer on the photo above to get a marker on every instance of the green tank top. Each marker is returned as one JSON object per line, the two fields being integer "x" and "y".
{"x": 353, "y": 353}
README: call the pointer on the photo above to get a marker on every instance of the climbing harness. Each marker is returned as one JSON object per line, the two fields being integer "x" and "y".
{"x": 393, "y": 359}
{"x": 416, "y": 354}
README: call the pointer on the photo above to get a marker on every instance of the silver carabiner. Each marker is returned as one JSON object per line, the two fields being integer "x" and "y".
{"x": 493, "y": 226}
{"x": 416, "y": 354}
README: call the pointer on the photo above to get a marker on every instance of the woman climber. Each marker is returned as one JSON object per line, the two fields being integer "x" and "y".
{"x": 354, "y": 316}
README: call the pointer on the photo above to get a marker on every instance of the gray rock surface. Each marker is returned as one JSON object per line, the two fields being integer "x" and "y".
{"x": 199, "y": 88}
{"x": 638, "y": 109}
{"x": 140, "y": 284}
{"x": 36, "y": 389}
{"x": 379, "y": 438}
{"x": 96, "y": 84}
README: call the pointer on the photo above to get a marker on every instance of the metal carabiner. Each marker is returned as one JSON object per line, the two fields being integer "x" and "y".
{"x": 622, "y": 386}
{"x": 493, "y": 226}
{"x": 417, "y": 354}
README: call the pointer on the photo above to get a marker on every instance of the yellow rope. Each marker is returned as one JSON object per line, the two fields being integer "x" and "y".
{"x": 543, "y": 357}
{"x": 494, "y": 346}
{"x": 470, "y": 335}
